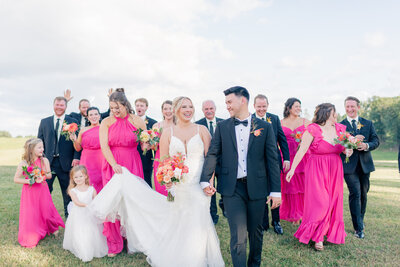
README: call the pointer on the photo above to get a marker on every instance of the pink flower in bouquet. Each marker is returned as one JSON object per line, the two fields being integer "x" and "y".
{"x": 29, "y": 169}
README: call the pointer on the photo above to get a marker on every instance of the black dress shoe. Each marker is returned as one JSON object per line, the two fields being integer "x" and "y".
{"x": 277, "y": 228}
{"x": 359, "y": 234}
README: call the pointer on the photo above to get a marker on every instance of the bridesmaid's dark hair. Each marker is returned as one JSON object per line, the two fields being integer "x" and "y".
{"x": 322, "y": 113}
{"x": 92, "y": 108}
{"x": 238, "y": 91}
{"x": 166, "y": 102}
{"x": 288, "y": 106}
{"x": 119, "y": 97}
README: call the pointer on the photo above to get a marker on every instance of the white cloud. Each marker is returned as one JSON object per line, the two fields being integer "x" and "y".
{"x": 375, "y": 39}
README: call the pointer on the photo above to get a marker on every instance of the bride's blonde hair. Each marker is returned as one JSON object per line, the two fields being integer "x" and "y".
{"x": 177, "y": 104}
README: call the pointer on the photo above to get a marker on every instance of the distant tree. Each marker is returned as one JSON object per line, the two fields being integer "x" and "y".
{"x": 385, "y": 114}
{"x": 5, "y": 134}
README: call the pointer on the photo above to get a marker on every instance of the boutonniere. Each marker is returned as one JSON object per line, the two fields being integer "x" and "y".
{"x": 359, "y": 126}
{"x": 254, "y": 130}
{"x": 269, "y": 119}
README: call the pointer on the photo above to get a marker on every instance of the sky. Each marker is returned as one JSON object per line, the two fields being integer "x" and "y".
{"x": 315, "y": 50}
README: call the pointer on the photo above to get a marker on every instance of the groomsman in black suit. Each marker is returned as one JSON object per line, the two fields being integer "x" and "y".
{"x": 261, "y": 106}
{"x": 357, "y": 171}
{"x": 58, "y": 150}
{"x": 84, "y": 104}
{"x": 141, "y": 105}
{"x": 210, "y": 121}
{"x": 245, "y": 148}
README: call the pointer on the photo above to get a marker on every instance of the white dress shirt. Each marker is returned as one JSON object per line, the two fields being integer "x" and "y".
{"x": 83, "y": 121}
{"x": 60, "y": 125}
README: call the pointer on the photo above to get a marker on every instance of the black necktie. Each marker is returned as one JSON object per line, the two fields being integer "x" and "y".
{"x": 56, "y": 137}
{"x": 263, "y": 118}
{"x": 211, "y": 129}
{"x": 353, "y": 125}
{"x": 245, "y": 122}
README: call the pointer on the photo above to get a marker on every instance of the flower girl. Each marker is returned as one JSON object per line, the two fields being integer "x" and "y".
{"x": 83, "y": 233}
{"x": 37, "y": 214}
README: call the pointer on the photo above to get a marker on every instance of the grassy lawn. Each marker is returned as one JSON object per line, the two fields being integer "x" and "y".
{"x": 380, "y": 247}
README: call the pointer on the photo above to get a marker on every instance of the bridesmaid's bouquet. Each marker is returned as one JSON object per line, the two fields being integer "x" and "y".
{"x": 149, "y": 136}
{"x": 297, "y": 136}
{"x": 171, "y": 170}
{"x": 348, "y": 141}
{"x": 34, "y": 174}
{"x": 69, "y": 129}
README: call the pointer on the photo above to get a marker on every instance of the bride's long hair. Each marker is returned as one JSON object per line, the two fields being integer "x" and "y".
{"x": 177, "y": 104}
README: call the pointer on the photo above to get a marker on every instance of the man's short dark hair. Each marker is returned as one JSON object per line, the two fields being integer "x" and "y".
{"x": 353, "y": 98}
{"x": 238, "y": 91}
{"x": 83, "y": 100}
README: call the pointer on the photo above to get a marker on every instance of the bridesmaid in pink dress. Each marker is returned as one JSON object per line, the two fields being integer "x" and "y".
{"x": 166, "y": 109}
{"x": 38, "y": 216}
{"x": 293, "y": 193}
{"x": 119, "y": 146}
{"x": 323, "y": 195}
{"x": 89, "y": 142}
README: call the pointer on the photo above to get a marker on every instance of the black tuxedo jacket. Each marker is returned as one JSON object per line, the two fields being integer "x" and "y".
{"x": 262, "y": 160}
{"x": 147, "y": 159}
{"x": 203, "y": 122}
{"x": 280, "y": 138}
{"x": 364, "y": 157}
{"x": 78, "y": 117}
{"x": 66, "y": 149}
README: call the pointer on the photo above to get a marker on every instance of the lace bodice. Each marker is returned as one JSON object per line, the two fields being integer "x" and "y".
{"x": 194, "y": 151}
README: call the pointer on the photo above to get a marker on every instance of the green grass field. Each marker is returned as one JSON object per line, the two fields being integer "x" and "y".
{"x": 381, "y": 246}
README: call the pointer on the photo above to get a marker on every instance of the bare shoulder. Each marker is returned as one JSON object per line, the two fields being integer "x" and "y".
{"x": 108, "y": 121}
{"x": 46, "y": 160}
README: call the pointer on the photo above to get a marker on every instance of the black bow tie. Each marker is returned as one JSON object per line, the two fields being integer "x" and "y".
{"x": 245, "y": 122}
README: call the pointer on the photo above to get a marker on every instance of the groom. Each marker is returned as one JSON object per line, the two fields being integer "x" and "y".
{"x": 246, "y": 148}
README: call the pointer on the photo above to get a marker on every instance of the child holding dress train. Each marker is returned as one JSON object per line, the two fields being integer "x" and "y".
{"x": 83, "y": 233}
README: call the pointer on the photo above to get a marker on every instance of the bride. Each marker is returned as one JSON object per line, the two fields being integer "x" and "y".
{"x": 179, "y": 233}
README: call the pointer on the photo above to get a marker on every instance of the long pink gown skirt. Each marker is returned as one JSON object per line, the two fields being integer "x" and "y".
{"x": 323, "y": 195}
{"x": 292, "y": 205}
{"x": 159, "y": 188}
{"x": 123, "y": 145}
{"x": 38, "y": 216}
{"x": 92, "y": 157}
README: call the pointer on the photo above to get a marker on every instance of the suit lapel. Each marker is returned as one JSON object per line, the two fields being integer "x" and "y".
{"x": 233, "y": 133}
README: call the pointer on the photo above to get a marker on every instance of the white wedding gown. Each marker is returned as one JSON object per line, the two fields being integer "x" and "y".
{"x": 179, "y": 233}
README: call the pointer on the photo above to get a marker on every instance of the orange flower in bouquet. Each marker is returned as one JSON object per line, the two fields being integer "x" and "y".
{"x": 348, "y": 141}
{"x": 69, "y": 129}
{"x": 171, "y": 170}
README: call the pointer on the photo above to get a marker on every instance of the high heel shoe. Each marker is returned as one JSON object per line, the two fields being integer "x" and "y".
{"x": 319, "y": 246}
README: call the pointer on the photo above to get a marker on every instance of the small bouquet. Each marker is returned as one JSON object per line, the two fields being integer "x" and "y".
{"x": 348, "y": 141}
{"x": 171, "y": 170}
{"x": 149, "y": 136}
{"x": 297, "y": 136}
{"x": 68, "y": 129}
{"x": 34, "y": 174}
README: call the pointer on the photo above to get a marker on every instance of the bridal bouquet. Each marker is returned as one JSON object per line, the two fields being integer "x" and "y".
{"x": 69, "y": 129}
{"x": 149, "y": 136}
{"x": 34, "y": 174}
{"x": 348, "y": 141}
{"x": 171, "y": 170}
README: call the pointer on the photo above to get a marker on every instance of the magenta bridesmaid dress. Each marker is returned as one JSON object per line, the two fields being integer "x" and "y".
{"x": 38, "y": 216}
{"x": 159, "y": 188}
{"x": 92, "y": 157}
{"x": 323, "y": 194}
{"x": 292, "y": 205}
{"x": 123, "y": 145}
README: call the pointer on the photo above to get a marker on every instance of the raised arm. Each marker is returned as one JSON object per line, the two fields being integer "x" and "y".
{"x": 77, "y": 140}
